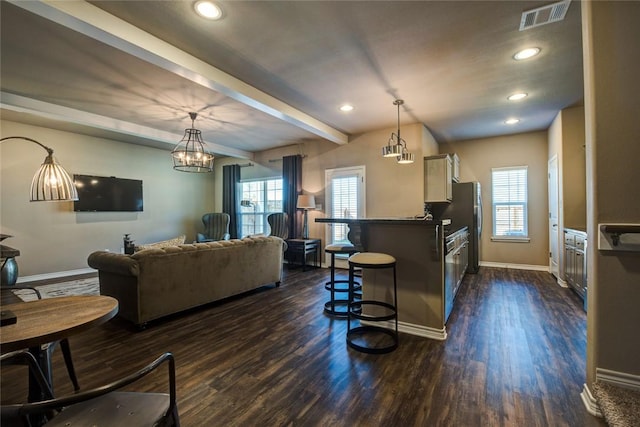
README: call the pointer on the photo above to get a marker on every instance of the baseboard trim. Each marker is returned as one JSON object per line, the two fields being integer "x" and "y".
{"x": 515, "y": 266}
{"x": 413, "y": 329}
{"x": 620, "y": 379}
{"x": 589, "y": 402}
{"x": 55, "y": 275}
{"x": 562, "y": 283}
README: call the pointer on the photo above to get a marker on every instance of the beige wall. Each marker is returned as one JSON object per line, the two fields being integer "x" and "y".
{"x": 52, "y": 238}
{"x": 611, "y": 53}
{"x": 567, "y": 143}
{"x": 477, "y": 158}
{"x": 574, "y": 181}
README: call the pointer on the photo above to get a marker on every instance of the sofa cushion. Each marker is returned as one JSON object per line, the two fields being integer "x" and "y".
{"x": 163, "y": 244}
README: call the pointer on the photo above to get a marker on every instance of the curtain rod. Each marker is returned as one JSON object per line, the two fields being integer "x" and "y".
{"x": 280, "y": 159}
{"x": 245, "y": 165}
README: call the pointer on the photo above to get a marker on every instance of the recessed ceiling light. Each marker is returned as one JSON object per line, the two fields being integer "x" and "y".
{"x": 512, "y": 121}
{"x": 346, "y": 108}
{"x": 208, "y": 9}
{"x": 517, "y": 96}
{"x": 526, "y": 53}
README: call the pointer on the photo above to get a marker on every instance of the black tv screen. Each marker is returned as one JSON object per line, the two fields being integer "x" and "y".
{"x": 107, "y": 194}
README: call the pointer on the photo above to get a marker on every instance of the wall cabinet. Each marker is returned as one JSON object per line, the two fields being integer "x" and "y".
{"x": 575, "y": 261}
{"x": 438, "y": 175}
{"x": 456, "y": 167}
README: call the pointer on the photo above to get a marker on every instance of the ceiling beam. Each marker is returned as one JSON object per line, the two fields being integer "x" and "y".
{"x": 93, "y": 22}
{"x": 21, "y": 104}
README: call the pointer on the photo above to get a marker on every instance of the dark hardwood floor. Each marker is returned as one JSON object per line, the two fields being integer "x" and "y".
{"x": 515, "y": 355}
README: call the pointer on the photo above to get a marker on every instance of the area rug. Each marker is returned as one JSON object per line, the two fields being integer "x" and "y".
{"x": 88, "y": 286}
{"x": 620, "y": 406}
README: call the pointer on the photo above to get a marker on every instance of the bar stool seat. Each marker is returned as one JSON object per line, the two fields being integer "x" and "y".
{"x": 385, "y": 311}
{"x": 332, "y": 307}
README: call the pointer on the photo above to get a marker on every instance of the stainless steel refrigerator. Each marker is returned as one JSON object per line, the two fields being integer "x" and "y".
{"x": 466, "y": 209}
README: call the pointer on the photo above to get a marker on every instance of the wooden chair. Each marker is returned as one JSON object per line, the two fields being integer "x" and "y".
{"x": 104, "y": 406}
{"x": 50, "y": 347}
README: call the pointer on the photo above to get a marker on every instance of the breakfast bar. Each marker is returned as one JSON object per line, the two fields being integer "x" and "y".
{"x": 419, "y": 248}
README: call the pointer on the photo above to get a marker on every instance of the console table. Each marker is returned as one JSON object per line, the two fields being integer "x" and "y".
{"x": 300, "y": 249}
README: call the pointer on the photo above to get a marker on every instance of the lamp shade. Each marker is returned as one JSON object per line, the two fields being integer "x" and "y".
{"x": 306, "y": 201}
{"x": 52, "y": 183}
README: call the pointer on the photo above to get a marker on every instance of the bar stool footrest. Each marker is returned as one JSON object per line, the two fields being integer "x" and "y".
{"x": 357, "y": 286}
{"x": 362, "y": 330}
{"x": 355, "y": 309}
{"x": 335, "y": 311}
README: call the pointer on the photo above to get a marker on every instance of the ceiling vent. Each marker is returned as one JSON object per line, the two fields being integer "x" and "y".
{"x": 544, "y": 15}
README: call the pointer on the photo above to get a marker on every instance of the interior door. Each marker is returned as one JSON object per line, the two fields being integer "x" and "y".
{"x": 554, "y": 257}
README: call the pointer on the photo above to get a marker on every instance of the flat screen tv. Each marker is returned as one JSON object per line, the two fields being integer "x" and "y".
{"x": 107, "y": 194}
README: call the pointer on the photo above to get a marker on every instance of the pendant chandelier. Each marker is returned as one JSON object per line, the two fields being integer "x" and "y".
{"x": 397, "y": 147}
{"x": 191, "y": 155}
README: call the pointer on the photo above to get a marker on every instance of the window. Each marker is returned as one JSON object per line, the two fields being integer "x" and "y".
{"x": 258, "y": 199}
{"x": 509, "y": 200}
{"x": 344, "y": 199}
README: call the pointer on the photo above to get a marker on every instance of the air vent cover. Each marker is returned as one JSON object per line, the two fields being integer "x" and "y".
{"x": 544, "y": 15}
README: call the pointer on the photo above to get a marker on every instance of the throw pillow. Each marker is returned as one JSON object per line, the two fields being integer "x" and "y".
{"x": 163, "y": 244}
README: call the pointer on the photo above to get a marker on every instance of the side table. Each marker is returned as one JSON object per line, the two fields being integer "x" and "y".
{"x": 300, "y": 249}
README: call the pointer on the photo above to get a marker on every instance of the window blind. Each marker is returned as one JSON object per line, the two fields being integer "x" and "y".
{"x": 509, "y": 198}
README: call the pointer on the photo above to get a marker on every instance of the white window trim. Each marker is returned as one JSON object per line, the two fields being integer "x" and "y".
{"x": 346, "y": 171}
{"x": 510, "y": 239}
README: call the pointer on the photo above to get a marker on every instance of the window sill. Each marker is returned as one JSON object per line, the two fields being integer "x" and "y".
{"x": 510, "y": 239}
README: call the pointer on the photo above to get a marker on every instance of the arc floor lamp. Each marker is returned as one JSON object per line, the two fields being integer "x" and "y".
{"x": 51, "y": 183}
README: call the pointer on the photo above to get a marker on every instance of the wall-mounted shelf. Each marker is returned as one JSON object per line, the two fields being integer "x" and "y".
{"x": 619, "y": 237}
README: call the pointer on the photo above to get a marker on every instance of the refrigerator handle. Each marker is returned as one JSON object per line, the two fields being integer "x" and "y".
{"x": 437, "y": 242}
{"x": 480, "y": 213}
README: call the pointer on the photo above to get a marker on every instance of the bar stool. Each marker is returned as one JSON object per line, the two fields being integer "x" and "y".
{"x": 330, "y": 306}
{"x": 388, "y": 312}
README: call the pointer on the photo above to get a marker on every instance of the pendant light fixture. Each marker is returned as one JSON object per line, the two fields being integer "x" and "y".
{"x": 191, "y": 155}
{"x": 51, "y": 183}
{"x": 397, "y": 147}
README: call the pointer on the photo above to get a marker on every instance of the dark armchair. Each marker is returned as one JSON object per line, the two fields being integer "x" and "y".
{"x": 279, "y": 224}
{"x": 105, "y": 405}
{"x": 216, "y": 227}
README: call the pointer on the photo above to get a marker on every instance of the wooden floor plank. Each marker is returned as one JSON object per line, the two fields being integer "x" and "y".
{"x": 515, "y": 355}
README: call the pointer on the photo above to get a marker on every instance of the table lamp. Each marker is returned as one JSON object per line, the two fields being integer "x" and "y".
{"x": 306, "y": 202}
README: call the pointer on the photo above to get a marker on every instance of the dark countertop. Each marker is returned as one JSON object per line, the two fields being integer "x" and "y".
{"x": 576, "y": 229}
{"x": 7, "y": 252}
{"x": 386, "y": 220}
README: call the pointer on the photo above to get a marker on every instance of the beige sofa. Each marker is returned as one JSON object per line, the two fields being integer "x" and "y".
{"x": 154, "y": 283}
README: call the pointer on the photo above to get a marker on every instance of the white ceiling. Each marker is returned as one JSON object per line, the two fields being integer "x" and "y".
{"x": 273, "y": 73}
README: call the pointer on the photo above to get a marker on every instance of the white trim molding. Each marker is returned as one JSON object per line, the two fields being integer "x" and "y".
{"x": 620, "y": 379}
{"x": 515, "y": 266}
{"x": 562, "y": 283}
{"x": 55, "y": 275}
{"x": 589, "y": 401}
{"x": 413, "y": 329}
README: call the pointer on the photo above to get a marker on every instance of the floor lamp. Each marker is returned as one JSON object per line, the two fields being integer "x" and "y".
{"x": 306, "y": 202}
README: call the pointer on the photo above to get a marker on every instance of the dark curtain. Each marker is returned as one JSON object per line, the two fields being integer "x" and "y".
{"x": 230, "y": 180}
{"x": 291, "y": 187}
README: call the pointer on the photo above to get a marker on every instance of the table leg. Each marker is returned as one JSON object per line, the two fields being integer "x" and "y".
{"x": 44, "y": 361}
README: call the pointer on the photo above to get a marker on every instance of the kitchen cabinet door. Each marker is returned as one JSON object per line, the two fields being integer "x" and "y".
{"x": 438, "y": 179}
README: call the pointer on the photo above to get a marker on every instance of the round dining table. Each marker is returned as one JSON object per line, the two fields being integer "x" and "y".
{"x": 49, "y": 320}
{"x": 52, "y": 319}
